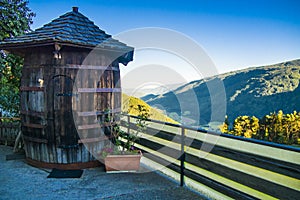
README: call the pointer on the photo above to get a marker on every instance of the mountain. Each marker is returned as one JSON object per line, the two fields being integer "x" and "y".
{"x": 140, "y": 92}
{"x": 255, "y": 91}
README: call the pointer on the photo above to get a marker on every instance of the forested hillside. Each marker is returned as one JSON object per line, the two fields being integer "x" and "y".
{"x": 129, "y": 105}
{"x": 255, "y": 91}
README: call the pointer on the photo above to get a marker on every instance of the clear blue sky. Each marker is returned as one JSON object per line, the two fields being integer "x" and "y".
{"x": 235, "y": 34}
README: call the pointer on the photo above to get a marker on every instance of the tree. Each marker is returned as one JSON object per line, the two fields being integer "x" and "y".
{"x": 246, "y": 126}
{"x": 15, "y": 19}
{"x": 291, "y": 128}
{"x": 275, "y": 127}
{"x": 224, "y": 128}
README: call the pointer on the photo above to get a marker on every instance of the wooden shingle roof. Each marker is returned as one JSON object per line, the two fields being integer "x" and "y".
{"x": 71, "y": 29}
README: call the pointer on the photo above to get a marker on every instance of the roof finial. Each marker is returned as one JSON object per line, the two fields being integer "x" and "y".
{"x": 75, "y": 9}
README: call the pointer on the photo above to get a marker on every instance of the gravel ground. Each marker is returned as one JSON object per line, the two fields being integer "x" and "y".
{"x": 21, "y": 181}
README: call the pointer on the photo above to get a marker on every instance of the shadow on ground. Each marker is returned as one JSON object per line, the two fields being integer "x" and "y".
{"x": 21, "y": 181}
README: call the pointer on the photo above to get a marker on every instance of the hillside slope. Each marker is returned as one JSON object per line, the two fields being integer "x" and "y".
{"x": 254, "y": 91}
{"x": 129, "y": 103}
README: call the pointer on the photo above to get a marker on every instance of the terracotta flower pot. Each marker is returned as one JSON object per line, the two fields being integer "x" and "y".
{"x": 122, "y": 162}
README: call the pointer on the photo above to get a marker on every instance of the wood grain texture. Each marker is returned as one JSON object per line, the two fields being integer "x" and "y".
{"x": 237, "y": 173}
{"x": 63, "y": 101}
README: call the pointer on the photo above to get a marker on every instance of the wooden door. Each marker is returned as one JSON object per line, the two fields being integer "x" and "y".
{"x": 64, "y": 127}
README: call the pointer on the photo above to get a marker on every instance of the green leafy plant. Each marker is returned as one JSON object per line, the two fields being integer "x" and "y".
{"x": 15, "y": 19}
{"x": 123, "y": 142}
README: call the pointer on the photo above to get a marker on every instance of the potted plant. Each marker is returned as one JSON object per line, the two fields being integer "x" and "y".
{"x": 121, "y": 154}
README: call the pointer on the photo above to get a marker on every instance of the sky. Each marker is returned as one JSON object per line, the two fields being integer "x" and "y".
{"x": 235, "y": 34}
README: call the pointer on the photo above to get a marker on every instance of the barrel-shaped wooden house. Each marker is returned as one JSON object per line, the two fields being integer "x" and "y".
{"x": 70, "y": 88}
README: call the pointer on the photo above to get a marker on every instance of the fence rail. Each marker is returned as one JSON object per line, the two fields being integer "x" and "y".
{"x": 220, "y": 164}
{"x": 9, "y": 129}
{"x": 232, "y": 166}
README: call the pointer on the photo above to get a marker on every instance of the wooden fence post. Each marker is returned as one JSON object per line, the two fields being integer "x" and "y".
{"x": 182, "y": 157}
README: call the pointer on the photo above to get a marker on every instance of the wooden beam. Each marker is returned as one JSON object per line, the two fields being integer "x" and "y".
{"x": 91, "y": 67}
{"x": 10, "y": 118}
{"x": 98, "y": 90}
{"x": 37, "y": 140}
{"x": 94, "y": 113}
{"x": 88, "y": 126}
{"x": 31, "y": 88}
{"x": 68, "y": 166}
{"x": 92, "y": 140}
{"x": 32, "y": 113}
{"x": 30, "y": 125}
{"x": 92, "y": 126}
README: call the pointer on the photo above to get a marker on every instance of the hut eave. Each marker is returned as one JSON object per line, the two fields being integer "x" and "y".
{"x": 71, "y": 29}
{"x": 125, "y": 52}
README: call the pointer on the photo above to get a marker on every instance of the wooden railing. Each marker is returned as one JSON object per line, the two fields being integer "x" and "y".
{"x": 9, "y": 129}
{"x": 219, "y": 165}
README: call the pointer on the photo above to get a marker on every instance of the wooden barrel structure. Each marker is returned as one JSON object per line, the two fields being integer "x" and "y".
{"x": 70, "y": 91}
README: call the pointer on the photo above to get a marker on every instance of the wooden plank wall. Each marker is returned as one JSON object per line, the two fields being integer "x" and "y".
{"x": 9, "y": 129}
{"x": 231, "y": 166}
{"x": 73, "y": 87}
